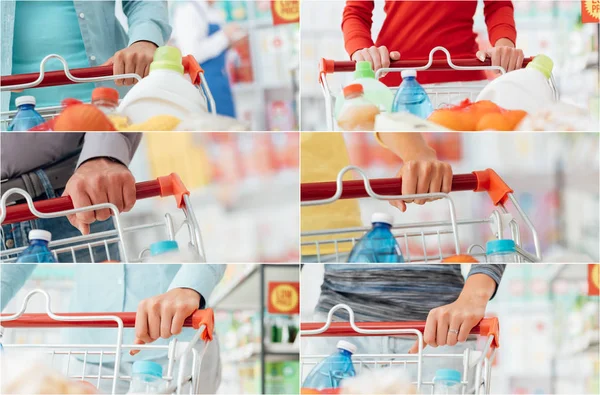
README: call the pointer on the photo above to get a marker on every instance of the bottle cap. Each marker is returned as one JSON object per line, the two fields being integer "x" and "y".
{"x": 382, "y": 217}
{"x": 504, "y": 245}
{"x": 104, "y": 93}
{"x": 167, "y": 58}
{"x": 408, "y": 73}
{"x": 39, "y": 234}
{"x": 364, "y": 70}
{"x": 344, "y": 345}
{"x": 162, "y": 247}
{"x": 447, "y": 375}
{"x": 353, "y": 89}
{"x": 543, "y": 64}
{"x": 19, "y": 101}
{"x": 147, "y": 367}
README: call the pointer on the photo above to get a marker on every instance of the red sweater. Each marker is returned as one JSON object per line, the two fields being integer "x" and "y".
{"x": 414, "y": 28}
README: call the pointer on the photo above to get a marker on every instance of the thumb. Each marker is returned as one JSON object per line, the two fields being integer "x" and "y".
{"x": 415, "y": 348}
{"x": 136, "y": 341}
{"x": 395, "y": 55}
{"x": 108, "y": 62}
{"x": 482, "y": 55}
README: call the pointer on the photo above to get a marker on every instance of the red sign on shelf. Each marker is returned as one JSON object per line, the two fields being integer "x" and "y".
{"x": 284, "y": 298}
{"x": 285, "y": 11}
{"x": 594, "y": 279}
{"x": 590, "y": 11}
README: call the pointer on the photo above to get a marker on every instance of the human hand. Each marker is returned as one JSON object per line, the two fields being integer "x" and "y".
{"x": 134, "y": 59}
{"x": 164, "y": 315}
{"x": 233, "y": 32}
{"x": 379, "y": 57}
{"x": 423, "y": 175}
{"x": 452, "y": 323}
{"x": 97, "y": 181}
{"x": 503, "y": 54}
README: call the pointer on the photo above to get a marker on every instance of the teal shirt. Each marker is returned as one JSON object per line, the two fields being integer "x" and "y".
{"x": 61, "y": 36}
{"x": 118, "y": 288}
{"x": 101, "y": 32}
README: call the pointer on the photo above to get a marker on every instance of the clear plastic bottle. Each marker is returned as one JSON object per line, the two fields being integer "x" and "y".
{"x": 501, "y": 251}
{"x": 357, "y": 113}
{"x": 38, "y": 251}
{"x": 26, "y": 117}
{"x": 168, "y": 251}
{"x": 379, "y": 244}
{"x": 106, "y": 99}
{"x": 330, "y": 372}
{"x": 146, "y": 378}
{"x": 411, "y": 97}
{"x": 447, "y": 382}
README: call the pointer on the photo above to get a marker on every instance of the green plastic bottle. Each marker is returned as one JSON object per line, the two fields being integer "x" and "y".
{"x": 374, "y": 90}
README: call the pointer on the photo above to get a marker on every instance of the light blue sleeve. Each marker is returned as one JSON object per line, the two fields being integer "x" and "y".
{"x": 202, "y": 278}
{"x": 12, "y": 278}
{"x": 148, "y": 21}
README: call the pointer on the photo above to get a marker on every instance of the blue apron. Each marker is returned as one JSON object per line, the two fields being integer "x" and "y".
{"x": 218, "y": 82}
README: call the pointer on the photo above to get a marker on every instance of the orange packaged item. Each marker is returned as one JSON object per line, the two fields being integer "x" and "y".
{"x": 82, "y": 118}
{"x": 357, "y": 113}
{"x": 478, "y": 116}
{"x": 460, "y": 259}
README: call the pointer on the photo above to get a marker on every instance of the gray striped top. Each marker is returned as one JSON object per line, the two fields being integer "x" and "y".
{"x": 394, "y": 292}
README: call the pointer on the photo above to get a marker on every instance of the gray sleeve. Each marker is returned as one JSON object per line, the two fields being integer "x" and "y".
{"x": 495, "y": 271}
{"x": 118, "y": 146}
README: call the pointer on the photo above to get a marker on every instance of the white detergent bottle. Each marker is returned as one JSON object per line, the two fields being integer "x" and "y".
{"x": 165, "y": 91}
{"x": 526, "y": 89}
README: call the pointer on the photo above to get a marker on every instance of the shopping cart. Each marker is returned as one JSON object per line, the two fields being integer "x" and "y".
{"x": 440, "y": 94}
{"x": 407, "y": 235}
{"x": 179, "y": 354}
{"x": 84, "y": 75}
{"x": 170, "y": 185}
{"x": 480, "y": 360}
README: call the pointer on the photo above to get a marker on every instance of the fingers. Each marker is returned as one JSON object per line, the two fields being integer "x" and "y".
{"x": 166, "y": 316}
{"x": 154, "y": 310}
{"x": 129, "y": 194}
{"x": 130, "y": 66}
{"x": 140, "y": 69}
{"x": 115, "y": 196}
{"x": 141, "y": 324}
{"x": 109, "y": 62}
{"x": 443, "y": 322}
{"x": 447, "y": 178}
{"x": 99, "y": 195}
{"x": 177, "y": 323}
{"x": 395, "y": 55}
{"x": 495, "y": 55}
{"x": 136, "y": 341}
{"x": 466, "y": 326}
{"x": 410, "y": 177}
{"x": 453, "y": 328}
{"x": 375, "y": 58}
{"x": 80, "y": 199}
{"x": 425, "y": 174}
{"x": 415, "y": 347}
{"x": 429, "y": 334}
{"x": 520, "y": 58}
{"x": 119, "y": 66}
{"x": 366, "y": 55}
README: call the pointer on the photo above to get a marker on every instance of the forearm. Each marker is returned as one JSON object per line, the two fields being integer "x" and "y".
{"x": 148, "y": 21}
{"x": 500, "y": 21}
{"x": 407, "y": 146}
{"x": 504, "y": 42}
{"x": 201, "y": 278}
{"x": 480, "y": 286}
{"x": 356, "y": 25}
{"x": 118, "y": 146}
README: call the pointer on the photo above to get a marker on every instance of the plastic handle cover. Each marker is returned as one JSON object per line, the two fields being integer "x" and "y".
{"x": 170, "y": 185}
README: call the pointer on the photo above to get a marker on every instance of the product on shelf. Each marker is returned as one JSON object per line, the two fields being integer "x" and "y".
{"x": 280, "y": 115}
{"x": 330, "y": 372}
{"x": 411, "y": 97}
{"x": 357, "y": 113}
{"x": 239, "y": 62}
{"x": 26, "y": 117}
{"x": 379, "y": 244}
{"x": 477, "y": 116}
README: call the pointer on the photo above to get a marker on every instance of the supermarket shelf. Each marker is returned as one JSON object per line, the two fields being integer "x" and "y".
{"x": 589, "y": 341}
{"x": 252, "y": 350}
{"x": 240, "y": 294}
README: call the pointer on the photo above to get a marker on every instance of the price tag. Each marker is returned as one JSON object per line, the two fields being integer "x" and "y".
{"x": 594, "y": 279}
{"x": 285, "y": 11}
{"x": 284, "y": 298}
{"x": 590, "y": 11}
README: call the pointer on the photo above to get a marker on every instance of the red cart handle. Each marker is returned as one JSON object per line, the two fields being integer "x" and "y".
{"x": 42, "y": 320}
{"x": 53, "y": 78}
{"x": 486, "y": 327}
{"x": 327, "y": 66}
{"x": 478, "y": 181}
{"x": 170, "y": 185}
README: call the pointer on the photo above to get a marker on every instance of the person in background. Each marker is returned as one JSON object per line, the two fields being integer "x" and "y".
{"x": 200, "y": 30}
{"x": 411, "y": 29}
{"x": 85, "y": 34}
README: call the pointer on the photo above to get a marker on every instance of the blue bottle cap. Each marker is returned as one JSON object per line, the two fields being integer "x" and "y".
{"x": 498, "y": 246}
{"x": 447, "y": 375}
{"x": 163, "y": 246}
{"x": 147, "y": 367}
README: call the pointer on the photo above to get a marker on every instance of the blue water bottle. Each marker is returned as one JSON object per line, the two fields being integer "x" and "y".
{"x": 411, "y": 97}
{"x": 379, "y": 244}
{"x": 26, "y": 116}
{"x": 38, "y": 251}
{"x": 330, "y": 372}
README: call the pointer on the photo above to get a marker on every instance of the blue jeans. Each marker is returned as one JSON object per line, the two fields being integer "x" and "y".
{"x": 16, "y": 235}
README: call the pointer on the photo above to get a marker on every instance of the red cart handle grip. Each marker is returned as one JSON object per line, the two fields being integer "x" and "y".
{"x": 486, "y": 327}
{"x": 42, "y": 320}
{"x": 485, "y": 180}
{"x": 54, "y": 78}
{"x": 328, "y": 66}
{"x": 170, "y": 185}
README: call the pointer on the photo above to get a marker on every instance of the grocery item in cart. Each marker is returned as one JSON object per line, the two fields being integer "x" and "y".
{"x": 526, "y": 89}
{"x": 165, "y": 91}
{"x": 501, "y": 251}
{"x": 447, "y": 382}
{"x": 330, "y": 372}
{"x": 379, "y": 381}
{"x": 357, "y": 113}
{"x": 477, "y": 116}
{"x": 405, "y": 122}
{"x": 38, "y": 251}
{"x": 167, "y": 251}
{"x": 560, "y": 116}
{"x": 411, "y": 97}
{"x": 379, "y": 244}
{"x": 146, "y": 378}
{"x": 375, "y": 91}
{"x": 27, "y": 117}
{"x": 106, "y": 100}
{"x": 460, "y": 259}
{"x": 80, "y": 117}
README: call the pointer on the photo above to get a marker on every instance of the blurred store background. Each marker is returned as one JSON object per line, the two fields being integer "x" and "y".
{"x": 549, "y": 327}
{"x": 256, "y": 318}
{"x": 555, "y": 178}
{"x": 244, "y": 190}
{"x": 550, "y": 27}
